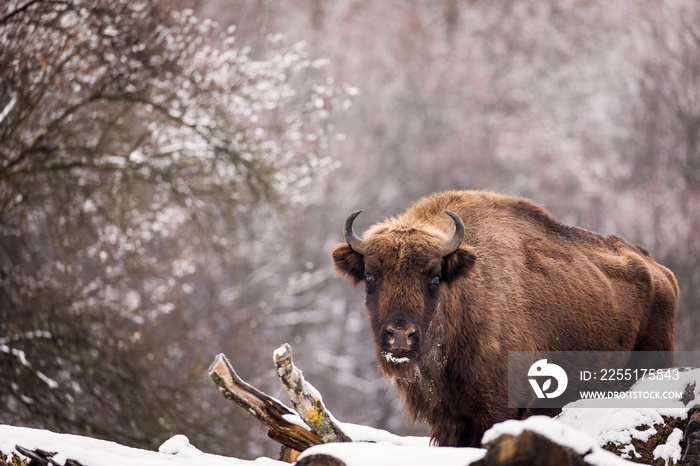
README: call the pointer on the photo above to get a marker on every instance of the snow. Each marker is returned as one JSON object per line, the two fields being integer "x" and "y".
{"x": 178, "y": 451}
{"x": 360, "y": 433}
{"x": 619, "y": 423}
{"x": 92, "y": 452}
{"x": 179, "y": 445}
{"x": 22, "y": 357}
{"x": 8, "y": 108}
{"x": 48, "y": 381}
{"x": 25, "y": 336}
{"x": 370, "y": 446}
{"x": 560, "y": 433}
{"x": 16, "y": 352}
{"x": 387, "y": 454}
{"x": 579, "y": 427}
{"x": 671, "y": 450}
{"x": 391, "y": 358}
{"x": 279, "y": 352}
{"x": 296, "y": 419}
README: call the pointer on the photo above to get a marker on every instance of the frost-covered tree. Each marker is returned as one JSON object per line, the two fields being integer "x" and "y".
{"x": 138, "y": 150}
{"x": 528, "y": 98}
{"x": 661, "y": 148}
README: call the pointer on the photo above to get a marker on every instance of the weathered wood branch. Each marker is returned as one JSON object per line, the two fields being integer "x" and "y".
{"x": 306, "y": 399}
{"x": 284, "y": 424}
{"x": 38, "y": 457}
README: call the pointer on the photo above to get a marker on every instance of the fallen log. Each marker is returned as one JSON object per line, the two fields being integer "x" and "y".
{"x": 284, "y": 424}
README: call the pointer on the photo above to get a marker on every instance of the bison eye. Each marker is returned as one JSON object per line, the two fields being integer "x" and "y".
{"x": 435, "y": 280}
{"x": 369, "y": 277}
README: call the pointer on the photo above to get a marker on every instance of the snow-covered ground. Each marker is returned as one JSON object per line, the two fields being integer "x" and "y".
{"x": 619, "y": 423}
{"x": 580, "y": 427}
{"x": 92, "y": 452}
{"x": 388, "y": 450}
{"x": 559, "y": 433}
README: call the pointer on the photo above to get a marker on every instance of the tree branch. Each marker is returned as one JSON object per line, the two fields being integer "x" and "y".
{"x": 286, "y": 427}
{"x": 306, "y": 399}
{"x": 17, "y": 11}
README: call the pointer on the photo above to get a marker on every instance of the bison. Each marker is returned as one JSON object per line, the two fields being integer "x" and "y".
{"x": 462, "y": 277}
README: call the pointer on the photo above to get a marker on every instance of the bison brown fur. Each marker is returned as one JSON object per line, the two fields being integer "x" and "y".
{"x": 520, "y": 280}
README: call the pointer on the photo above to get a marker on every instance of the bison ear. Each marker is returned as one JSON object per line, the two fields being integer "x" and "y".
{"x": 458, "y": 264}
{"x": 349, "y": 263}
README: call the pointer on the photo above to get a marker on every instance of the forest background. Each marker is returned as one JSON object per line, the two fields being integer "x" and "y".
{"x": 171, "y": 186}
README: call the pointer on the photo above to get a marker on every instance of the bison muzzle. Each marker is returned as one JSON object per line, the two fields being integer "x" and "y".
{"x": 463, "y": 277}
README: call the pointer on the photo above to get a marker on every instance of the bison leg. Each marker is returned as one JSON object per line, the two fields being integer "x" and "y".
{"x": 658, "y": 333}
{"x": 452, "y": 432}
{"x": 470, "y": 436}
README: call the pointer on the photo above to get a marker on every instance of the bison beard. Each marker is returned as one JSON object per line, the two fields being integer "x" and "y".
{"x": 463, "y": 277}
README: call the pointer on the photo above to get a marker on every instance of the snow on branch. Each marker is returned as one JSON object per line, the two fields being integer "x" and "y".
{"x": 296, "y": 432}
{"x": 21, "y": 356}
{"x": 285, "y": 425}
{"x": 8, "y": 108}
{"x": 306, "y": 399}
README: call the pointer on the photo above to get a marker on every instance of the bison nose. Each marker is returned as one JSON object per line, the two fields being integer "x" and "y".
{"x": 401, "y": 336}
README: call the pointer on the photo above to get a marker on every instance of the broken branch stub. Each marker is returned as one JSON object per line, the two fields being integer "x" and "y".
{"x": 306, "y": 399}
{"x": 276, "y": 416}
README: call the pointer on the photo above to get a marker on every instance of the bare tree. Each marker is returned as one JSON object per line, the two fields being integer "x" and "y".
{"x": 145, "y": 157}
{"x": 139, "y": 150}
{"x": 662, "y": 148}
{"x": 519, "y": 97}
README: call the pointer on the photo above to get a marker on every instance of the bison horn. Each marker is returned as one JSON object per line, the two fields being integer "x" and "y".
{"x": 453, "y": 243}
{"x": 351, "y": 238}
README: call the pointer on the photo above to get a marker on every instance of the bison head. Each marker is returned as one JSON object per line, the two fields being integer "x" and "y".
{"x": 407, "y": 267}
